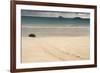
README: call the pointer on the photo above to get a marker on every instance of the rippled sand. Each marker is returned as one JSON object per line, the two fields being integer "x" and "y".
{"x": 54, "y": 49}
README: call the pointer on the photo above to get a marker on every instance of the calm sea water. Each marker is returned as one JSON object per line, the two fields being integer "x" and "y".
{"x": 54, "y": 22}
{"x": 60, "y": 21}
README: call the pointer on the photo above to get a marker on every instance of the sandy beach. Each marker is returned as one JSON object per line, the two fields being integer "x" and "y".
{"x": 50, "y": 36}
{"x": 45, "y": 49}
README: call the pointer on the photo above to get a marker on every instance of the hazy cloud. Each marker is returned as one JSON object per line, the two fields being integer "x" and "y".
{"x": 54, "y": 14}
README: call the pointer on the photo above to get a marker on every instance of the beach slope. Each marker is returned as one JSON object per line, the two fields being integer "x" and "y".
{"x": 45, "y": 49}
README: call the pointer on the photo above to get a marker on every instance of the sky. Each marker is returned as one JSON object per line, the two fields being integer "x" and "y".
{"x": 54, "y": 14}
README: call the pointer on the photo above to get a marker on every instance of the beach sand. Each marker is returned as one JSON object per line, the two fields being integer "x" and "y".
{"x": 45, "y": 49}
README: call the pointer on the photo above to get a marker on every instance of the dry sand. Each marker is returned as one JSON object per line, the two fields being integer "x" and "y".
{"x": 54, "y": 49}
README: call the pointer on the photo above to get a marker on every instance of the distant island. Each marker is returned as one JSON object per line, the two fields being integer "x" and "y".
{"x": 77, "y": 18}
{"x": 60, "y": 17}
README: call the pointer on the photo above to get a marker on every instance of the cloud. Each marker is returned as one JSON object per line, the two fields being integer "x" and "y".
{"x": 54, "y": 14}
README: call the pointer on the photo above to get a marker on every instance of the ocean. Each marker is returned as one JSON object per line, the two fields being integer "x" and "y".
{"x": 54, "y": 26}
{"x": 51, "y": 21}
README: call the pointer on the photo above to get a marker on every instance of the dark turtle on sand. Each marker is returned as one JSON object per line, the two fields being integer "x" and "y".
{"x": 32, "y": 35}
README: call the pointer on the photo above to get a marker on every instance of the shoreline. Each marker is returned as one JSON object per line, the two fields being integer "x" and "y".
{"x": 56, "y": 31}
{"x": 25, "y": 26}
